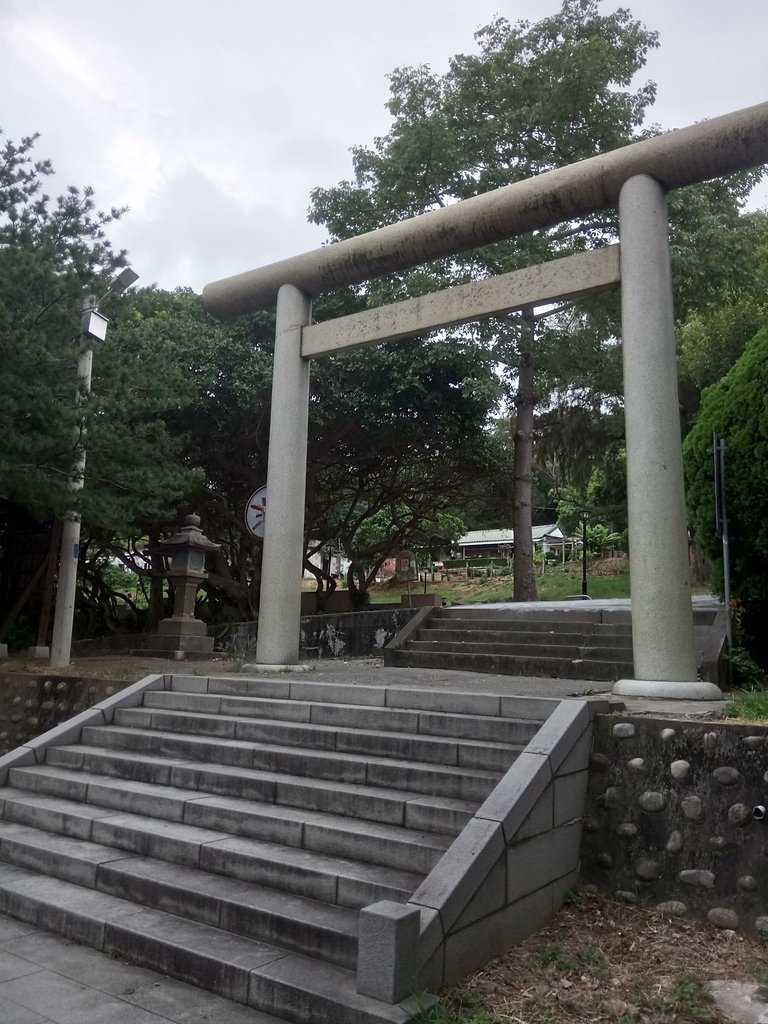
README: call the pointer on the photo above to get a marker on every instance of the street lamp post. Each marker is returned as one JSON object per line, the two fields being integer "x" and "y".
{"x": 584, "y": 521}
{"x": 93, "y": 326}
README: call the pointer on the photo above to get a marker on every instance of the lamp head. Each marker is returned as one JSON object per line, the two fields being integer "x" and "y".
{"x": 123, "y": 280}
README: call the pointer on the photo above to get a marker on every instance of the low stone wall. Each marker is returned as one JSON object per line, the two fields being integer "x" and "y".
{"x": 342, "y": 635}
{"x": 669, "y": 818}
{"x": 33, "y": 704}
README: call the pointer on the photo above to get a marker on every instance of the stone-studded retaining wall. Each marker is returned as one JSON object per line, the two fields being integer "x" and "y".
{"x": 669, "y": 818}
{"x": 32, "y": 704}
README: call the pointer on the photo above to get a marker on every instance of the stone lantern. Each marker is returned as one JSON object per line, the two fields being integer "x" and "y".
{"x": 186, "y": 550}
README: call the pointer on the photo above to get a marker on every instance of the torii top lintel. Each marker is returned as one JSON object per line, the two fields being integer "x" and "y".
{"x": 733, "y": 142}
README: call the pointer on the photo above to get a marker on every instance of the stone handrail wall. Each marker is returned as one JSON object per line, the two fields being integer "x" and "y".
{"x": 502, "y": 878}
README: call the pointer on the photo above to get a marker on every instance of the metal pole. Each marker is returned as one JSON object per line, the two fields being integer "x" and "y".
{"x": 583, "y": 555}
{"x": 61, "y": 642}
{"x": 726, "y": 551}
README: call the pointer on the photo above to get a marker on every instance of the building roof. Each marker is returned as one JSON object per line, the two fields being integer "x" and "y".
{"x": 486, "y": 537}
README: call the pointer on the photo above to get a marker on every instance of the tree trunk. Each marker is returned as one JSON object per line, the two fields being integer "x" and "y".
{"x": 357, "y": 584}
{"x": 524, "y": 573}
{"x": 326, "y": 585}
{"x": 156, "y": 604}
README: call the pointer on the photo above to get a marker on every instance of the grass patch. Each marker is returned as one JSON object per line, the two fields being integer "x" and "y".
{"x": 752, "y": 705}
{"x": 459, "y": 1006}
{"x": 582, "y": 960}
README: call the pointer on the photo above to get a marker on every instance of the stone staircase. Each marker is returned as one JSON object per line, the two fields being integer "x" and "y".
{"x": 574, "y": 642}
{"x": 228, "y": 831}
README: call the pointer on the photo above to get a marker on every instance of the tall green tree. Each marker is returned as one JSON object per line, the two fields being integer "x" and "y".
{"x": 735, "y": 409}
{"x": 715, "y": 327}
{"x": 52, "y": 253}
{"x": 534, "y": 97}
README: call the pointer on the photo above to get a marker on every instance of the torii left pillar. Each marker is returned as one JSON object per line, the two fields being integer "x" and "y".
{"x": 280, "y": 603}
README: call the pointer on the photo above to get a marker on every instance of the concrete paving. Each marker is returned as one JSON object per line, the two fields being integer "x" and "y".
{"x": 373, "y": 672}
{"x": 45, "y": 979}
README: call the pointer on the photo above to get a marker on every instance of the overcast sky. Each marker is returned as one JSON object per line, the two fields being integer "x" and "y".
{"x": 213, "y": 121}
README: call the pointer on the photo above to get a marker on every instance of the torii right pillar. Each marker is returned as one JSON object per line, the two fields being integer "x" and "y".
{"x": 660, "y": 584}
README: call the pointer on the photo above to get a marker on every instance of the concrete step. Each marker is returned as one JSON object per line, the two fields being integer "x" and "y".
{"x": 292, "y": 922}
{"x": 564, "y": 668}
{"x": 301, "y": 990}
{"x": 427, "y": 749}
{"x": 215, "y": 959}
{"x": 372, "y": 842}
{"x": 464, "y": 782}
{"x": 398, "y": 807}
{"x": 499, "y": 636}
{"x": 571, "y": 633}
{"x": 475, "y": 644}
{"x": 330, "y": 878}
{"x": 427, "y": 723}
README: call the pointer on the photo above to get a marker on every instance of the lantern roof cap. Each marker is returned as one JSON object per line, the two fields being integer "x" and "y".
{"x": 189, "y": 536}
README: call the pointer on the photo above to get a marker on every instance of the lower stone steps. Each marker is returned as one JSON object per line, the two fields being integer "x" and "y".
{"x": 230, "y": 832}
{"x": 291, "y": 986}
{"x": 294, "y": 922}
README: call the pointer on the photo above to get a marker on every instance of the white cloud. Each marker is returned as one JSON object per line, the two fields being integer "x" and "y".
{"x": 213, "y": 122}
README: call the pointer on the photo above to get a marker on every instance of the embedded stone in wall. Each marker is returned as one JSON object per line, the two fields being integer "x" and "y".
{"x": 754, "y": 742}
{"x": 675, "y": 842}
{"x": 627, "y": 897}
{"x": 674, "y": 908}
{"x": 710, "y": 740}
{"x": 727, "y": 776}
{"x": 599, "y": 762}
{"x": 667, "y": 735}
{"x": 605, "y": 860}
{"x": 623, "y": 730}
{"x": 692, "y": 808}
{"x": 651, "y": 801}
{"x": 701, "y": 879}
{"x": 626, "y": 830}
{"x": 637, "y": 764}
{"x": 761, "y": 923}
{"x": 722, "y": 917}
{"x": 680, "y": 770}
{"x": 611, "y": 797}
{"x": 747, "y": 883}
{"x": 720, "y": 844}
{"x": 739, "y": 814}
{"x": 648, "y": 869}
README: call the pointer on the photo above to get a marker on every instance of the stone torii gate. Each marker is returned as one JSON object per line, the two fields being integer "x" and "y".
{"x": 635, "y": 178}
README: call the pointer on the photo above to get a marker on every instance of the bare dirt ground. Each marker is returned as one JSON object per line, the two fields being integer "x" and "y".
{"x": 603, "y": 961}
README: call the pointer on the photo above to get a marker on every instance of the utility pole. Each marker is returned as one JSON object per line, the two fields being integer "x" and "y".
{"x": 93, "y": 326}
